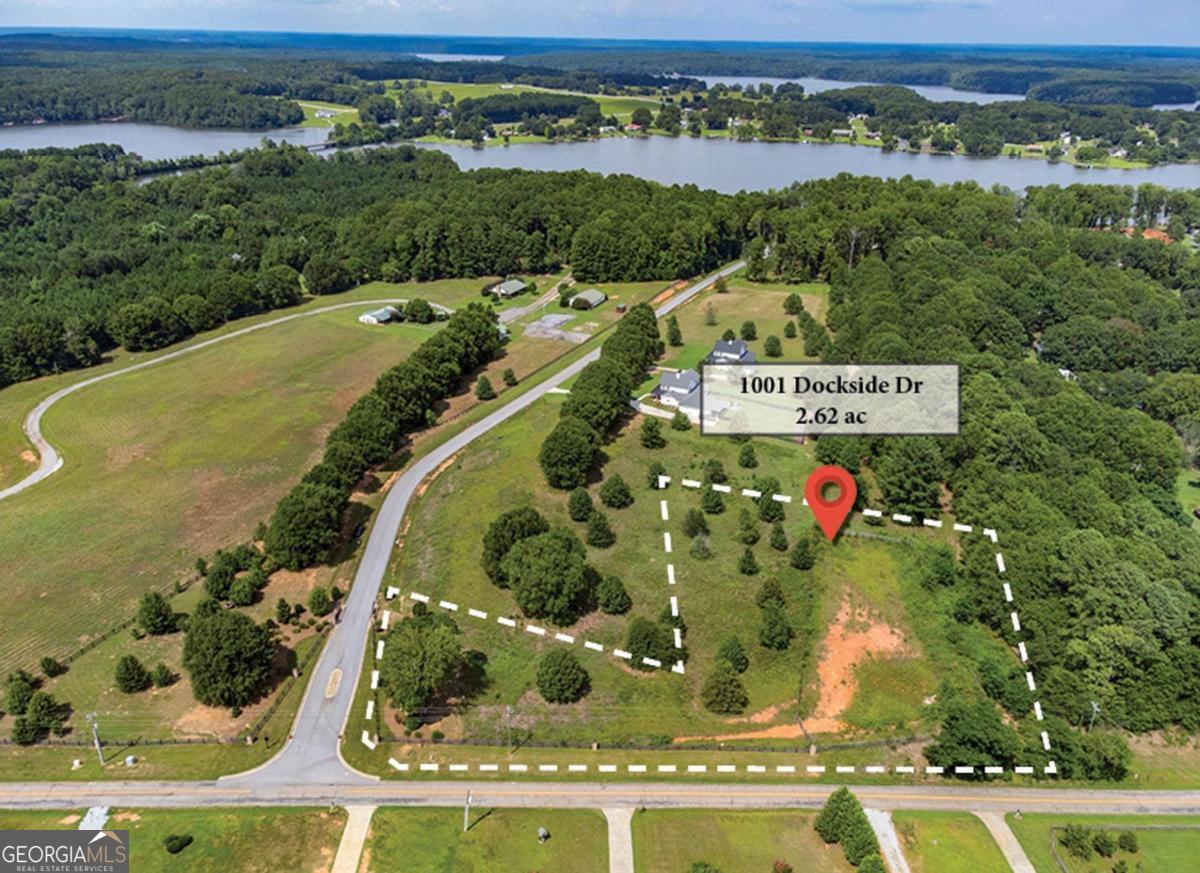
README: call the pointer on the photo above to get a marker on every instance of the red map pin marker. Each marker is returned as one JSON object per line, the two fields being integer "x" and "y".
{"x": 830, "y": 514}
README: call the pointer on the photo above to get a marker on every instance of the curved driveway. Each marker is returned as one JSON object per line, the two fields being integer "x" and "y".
{"x": 311, "y": 755}
{"x": 51, "y": 460}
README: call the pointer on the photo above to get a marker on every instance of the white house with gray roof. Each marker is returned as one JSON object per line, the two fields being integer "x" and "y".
{"x": 731, "y": 352}
{"x": 673, "y": 387}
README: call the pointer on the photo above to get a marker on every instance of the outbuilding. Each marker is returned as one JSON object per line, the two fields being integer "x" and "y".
{"x": 589, "y": 299}
{"x": 380, "y": 316}
{"x": 509, "y": 288}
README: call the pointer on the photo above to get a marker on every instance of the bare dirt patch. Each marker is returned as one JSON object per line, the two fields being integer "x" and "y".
{"x": 127, "y": 816}
{"x": 854, "y": 637}
{"x": 69, "y": 819}
{"x": 29, "y": 456}
{"x": 121, "y": 456}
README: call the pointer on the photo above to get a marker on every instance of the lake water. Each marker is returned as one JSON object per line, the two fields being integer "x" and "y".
{"x": 152, "y": 141}
{"x": 730, "y": 166}
{"x": 710, "y": 163}
{"x": 937, "y": 93}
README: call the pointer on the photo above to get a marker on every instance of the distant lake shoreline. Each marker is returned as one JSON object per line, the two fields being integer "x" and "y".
{"x": 721, "y": 164}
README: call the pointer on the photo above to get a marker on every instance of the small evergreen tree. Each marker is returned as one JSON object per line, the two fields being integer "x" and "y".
{"x": 484, "y": 389}
{"x": 804, "y": 553}
{"x": 561, "y": 678}
{"x": 242, "y": 591}
{"x": 1128, "y": 842}
{"x": 773, "y": 347}
{"x": 789, "y": 330}
{"x": 674, "y": 334}
{"x": 655, "y": 470}
{"x": 154, "y": 614}
{"x": 680, "y": 421}
{"x": 131, "y": 676}
{"x": 651, "y": 436}
{"x": 614, "y": 493}
{"x": 52, "y": 667}
{"x": 700, "y": 549}
{"x": 509, "y": 377}
{"x": 774, "y": 632}
{"x": 733, "y": 653}
{"x": 729, "y": 336}
{"x": 712, "y": 502}
{"x": 749, "y": 331}
{"x": 710, "y": 316}
{"x": 779, "y": 541}
{"x": 723, "y": 692}
{"x": 714, "y": 471}
{"x": 793, "y": 304}
{"x": 747, "y": 565}
{"x": 579, "y": 504}
{"x": 770, "y": 593}
{"x": 599, "y": 533}
{"x": 19, "y": 688}
{"x": 283, "y": 611}
{"x": 747, "y": 458}
{"x": 748, "y": 531}
{"x": 319, "y": 601}
{"x": 694, "y": 524}
{"x": 161, "y": 675}
{"x": 612, "y": 596}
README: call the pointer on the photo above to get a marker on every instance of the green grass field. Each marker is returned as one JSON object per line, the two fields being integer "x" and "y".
{"x": 40, "y": 819}
{"x": 432, "y": 841}
{"x": 1166, "y": 843}
{"x": 232, "y": 840}
{"x": 171, "y": 462}
{"x": 342, "y": 114}
{"x": 948, "y": 842}
{"x": 745, "y": 301}
{"x": 670, "y": 841}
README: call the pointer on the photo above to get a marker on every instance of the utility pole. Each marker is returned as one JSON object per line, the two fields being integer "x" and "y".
{"x": 467, "y": 813}
{"x": 94, "y": 723}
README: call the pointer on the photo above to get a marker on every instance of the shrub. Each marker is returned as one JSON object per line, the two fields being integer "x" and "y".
{"x": 733, "y": 653}
{"x": 650, "y": 435}
{"x": 694, "y": 523}
{"x": 154, "y": 614}
{"x": 509, "y": 377}
{"x": 131, "y": 676}
{"x": 723, "y": 691}
{"x": 52, "y": 667}
{"x": 579, "y": 504}
{"x": 749, "y": 331}
{"x": 599, "y": 533}
{"x": 655, "y": 470}
{"x": 680, "y": 421}
{"x": 1128, "y": 842}
{"x": 484, "y": 389}
{"x": 1104, "y": 843}
{"x": 614, "y": 493}
{"x": 176, "y": 843}
{"x": 612, "y": 596}
{"x": 747, "y": 565}
{"x": 560, "y": 678}
{"x": 871, "y": 864}
{"x": 747, "y": 458}
{"x": 319, "y": 601}
{"x": 773, "y": 347}
{"x": 1077, "y": 839}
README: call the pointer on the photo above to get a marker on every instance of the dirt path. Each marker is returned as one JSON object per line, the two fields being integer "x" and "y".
{"x": 854, "y": 637}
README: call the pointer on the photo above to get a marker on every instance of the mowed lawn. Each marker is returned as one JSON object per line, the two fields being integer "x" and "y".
{"x": 1165, "y": 842}
{"x": 432, "y": 841}
{"x": 171, "y": 462}
{"x": 745, "y": 301}
{"x": 251, "y": 840}
{"x": 671, "y": 840}
{"x": 440, "y": 557}
{"x": 948, "y": 842}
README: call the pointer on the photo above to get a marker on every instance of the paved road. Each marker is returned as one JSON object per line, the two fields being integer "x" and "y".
{"x": 590, "y": 795}
{"x": 620, "y": 839}
{"x": 312, "y": 754}
{"x": 51, "y": 460}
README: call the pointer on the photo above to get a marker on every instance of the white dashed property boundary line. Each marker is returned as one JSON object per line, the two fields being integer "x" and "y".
{"x": 905, "y": 519}
{"x": 753, "y": 769}
{"x": 673, "y": 599}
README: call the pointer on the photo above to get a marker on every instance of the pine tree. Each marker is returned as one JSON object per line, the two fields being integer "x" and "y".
{"x": 509, "y": 377}
{"x": 680, "y": 421}
{"x": 579, "y": 504}
{"x": 733, "y": 653}
{"x": 723, "y": 692}
{"x": 789, "y": 330}
{"x": 599, "y": 533}
{"x": 131, "y": 676}
{"x": 747, "y": 458}
{"x": 804, "y": 554}
{"x": 779, "y": 541}
{"x": 612, "y": 596}
{"x": 614, "y": 493}
{"x": 747, "y": 565}
{"x": 749, "y": 331}
{"x": 694, "y": 523}
{"x": 651, "y": 434}
{"x": 655, "y": 470}
{"x": 748, "y": 531}
{"x": 674, "y": 334}
{"x": 774, "y": 632}
{"x": 484, "y": 389}
{"x": 773, "y": 347}
{"x": 712, "y": 502}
